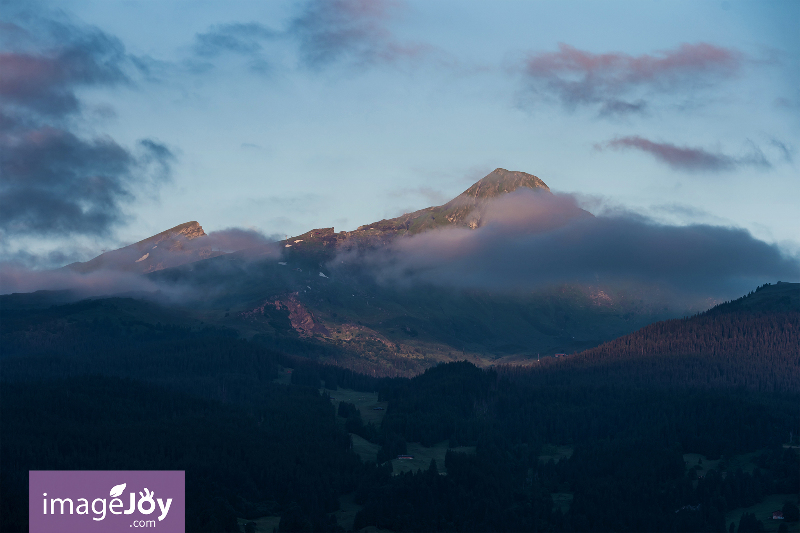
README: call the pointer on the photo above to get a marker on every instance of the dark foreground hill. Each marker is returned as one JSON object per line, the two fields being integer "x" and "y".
{"x": 104, "y": 393}
{"x": 752, "y": 342}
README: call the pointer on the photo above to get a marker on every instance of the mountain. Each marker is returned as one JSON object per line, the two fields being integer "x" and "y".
{"x": 170, "y": 248}
{"x": 296, "y": 296}
{"x": 466, "y": 210}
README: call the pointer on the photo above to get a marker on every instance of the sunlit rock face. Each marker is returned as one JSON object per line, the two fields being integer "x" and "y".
{"x": 173, "y": 247}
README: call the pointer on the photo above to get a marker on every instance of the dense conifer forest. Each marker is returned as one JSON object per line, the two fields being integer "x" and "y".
{"x": 107, "y": 393}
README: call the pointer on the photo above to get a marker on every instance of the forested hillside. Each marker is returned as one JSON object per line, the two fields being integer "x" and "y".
{"x": 753, "y": 342}
{"x": 596, "y": 442}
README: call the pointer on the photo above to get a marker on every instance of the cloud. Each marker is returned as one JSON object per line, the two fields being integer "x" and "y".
{"x": 45, "y": 81}
{"x": 785, "y": 152}
{"x": 328, "y": 31}
{"x": 116, "y": 271}
{"x": 534, "y": 240}
{"x": 243, "y": 39}
{"x": 54, "y": 181}
{"x": 15, "y": 277}
{"x": 686, "y": 213}
{"x": 687, "y": 158}
{"x": 236, "y": 239}
{"x": 616, "y": 82}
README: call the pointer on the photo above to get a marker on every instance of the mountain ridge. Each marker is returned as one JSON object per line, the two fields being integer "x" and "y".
{"x": 144, "y": 256}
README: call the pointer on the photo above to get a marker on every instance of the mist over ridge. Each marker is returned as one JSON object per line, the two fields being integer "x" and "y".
{"x": 506, "y": 233}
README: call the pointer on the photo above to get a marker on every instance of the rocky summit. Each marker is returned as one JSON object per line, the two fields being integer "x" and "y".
{"x": 173, "y": 247}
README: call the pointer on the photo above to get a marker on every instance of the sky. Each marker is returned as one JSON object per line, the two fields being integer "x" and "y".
{"x": 120, "y": 119}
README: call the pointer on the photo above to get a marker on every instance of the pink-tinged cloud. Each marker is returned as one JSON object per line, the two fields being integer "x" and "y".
{"x": 44, "y": 82}
{"x": 357, "y": 30}
{"x": 578, "y": 77}
{"x": 687, "y": 158}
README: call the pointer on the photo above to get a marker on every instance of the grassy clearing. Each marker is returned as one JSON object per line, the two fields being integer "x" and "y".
{"x": 422, "y": 457}
{"x": 702, "y": 464}
{"x": 365, "y": 449}
{"x": 555, "y": 452}
{"x": 763, "y": 512}
{"x": 348, "y": 509}
{"x": 694, "y": 460}
{"x": 265, "y": 524}
{"x": 364, "y": 402}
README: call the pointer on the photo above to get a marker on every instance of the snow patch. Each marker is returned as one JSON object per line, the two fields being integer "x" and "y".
{"x": 282, "y": 263}
{"x": 322, "y": 275}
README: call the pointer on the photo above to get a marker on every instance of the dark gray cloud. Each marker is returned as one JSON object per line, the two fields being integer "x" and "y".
{"x": 53, "y": 181}
{"x": 688, "y": 158}
{"x": 534, "y": 240}
{"x": 356, "y": 30}
{"x": 615, "y": 82}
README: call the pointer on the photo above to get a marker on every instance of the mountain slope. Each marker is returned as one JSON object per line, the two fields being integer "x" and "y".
{"x": 752, "y": 342}
{"x": 169, "y": 248}
{"x": 464, "y": 210}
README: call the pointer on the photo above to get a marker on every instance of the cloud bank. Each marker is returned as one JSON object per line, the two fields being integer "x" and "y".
{"x": 122, "y": 270}
{"x": 535, "y": 240}
{"x": 617, "y": 83}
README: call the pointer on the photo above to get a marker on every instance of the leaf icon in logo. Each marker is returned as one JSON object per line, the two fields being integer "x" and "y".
{"x": 117, "y": 490}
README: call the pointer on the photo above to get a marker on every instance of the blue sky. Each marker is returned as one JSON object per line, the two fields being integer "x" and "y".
{"x": 287, "y": 116}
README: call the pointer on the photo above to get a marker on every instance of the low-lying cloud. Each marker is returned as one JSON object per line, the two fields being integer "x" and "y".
{"x": 534, "y": 240}
{"x": 615, "y": 83}
{"x": 125, "y": 270}
{"x": 237, "y": 239}
{"x": 687, "y": 158}
{"x": 17, "y": 278}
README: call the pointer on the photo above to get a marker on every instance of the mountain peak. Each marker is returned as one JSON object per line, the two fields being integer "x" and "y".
{"x": 187, "y": 230}
{"x": 501, "y": 181}
{"x": 465, "y": 210}
{"x": 163, "y": 250}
